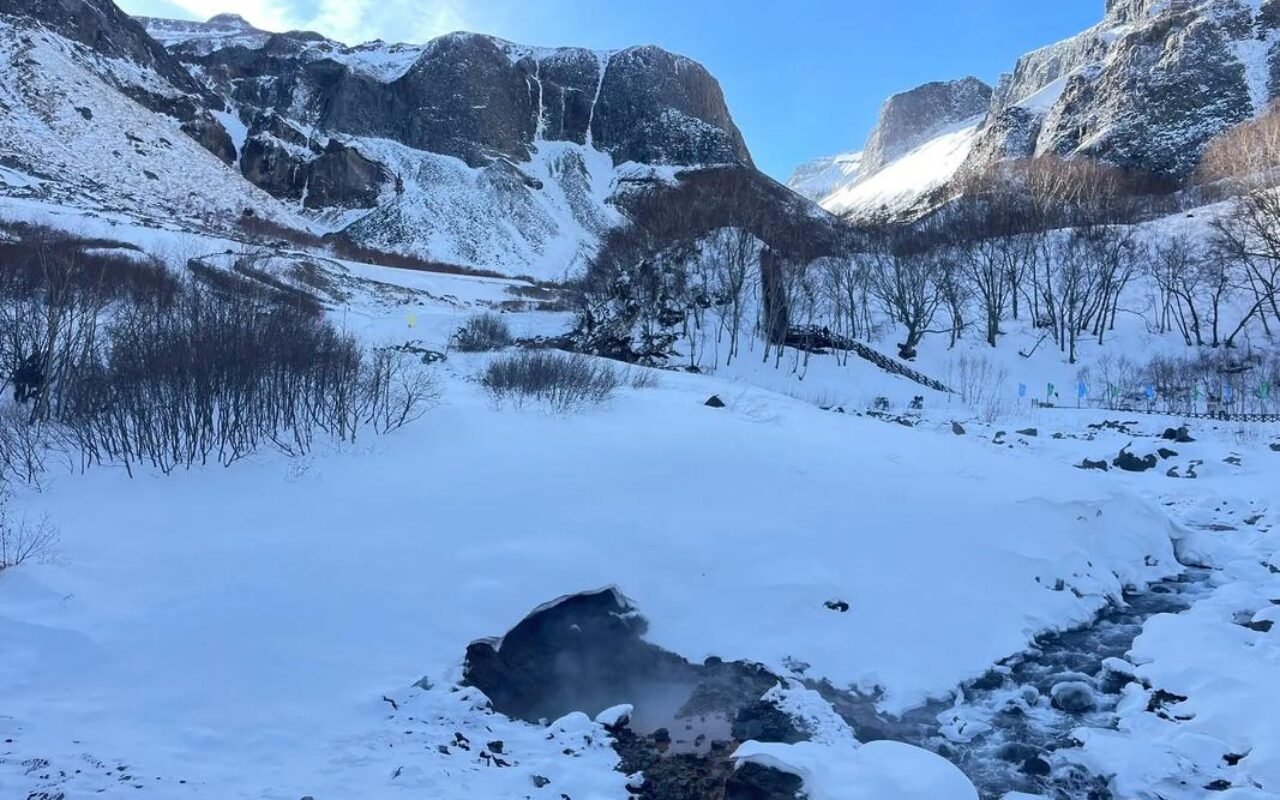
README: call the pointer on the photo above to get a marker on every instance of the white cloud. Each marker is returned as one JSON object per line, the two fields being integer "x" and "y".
{"x": 350, "y": 21}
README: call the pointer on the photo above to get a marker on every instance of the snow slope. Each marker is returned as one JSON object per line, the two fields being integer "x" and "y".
{"x": 909, "y": 179}
{"x": 103, "y": 150}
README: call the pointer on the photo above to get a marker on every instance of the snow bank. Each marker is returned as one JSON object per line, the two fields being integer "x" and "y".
{"x": 874, "y": 771}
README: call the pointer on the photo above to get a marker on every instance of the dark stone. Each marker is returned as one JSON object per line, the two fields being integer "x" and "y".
{"x": 1219, "y": 785}
{"x": 991, "y": 681}
{"x": 585, "y": 652}
{"x": 1261, "y": 626}
{"x": 755, "y": 782}
{"x": 539, "y": 781}
{"x": 764, "y": 722}
{"x": 496, "y": 746}
{"x": 1128, "y": 462}
{"x": 1036, "y": 766}
{"x": 1098, "y": 465}
{"x": 84, "y": 112}
{"x": 837, "y": 605}
{"x": 957, "y": 429}
{"x": 715, "y": 402}
{"x": 1166, "y": 453}
{"x": 1017, "y": 752}
{"x": 1029, "y": 432}
{"x": 1180, "y": 435}
{"x": 1074, "y": 697}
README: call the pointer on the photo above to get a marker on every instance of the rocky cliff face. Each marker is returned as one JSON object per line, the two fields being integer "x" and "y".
{"x": 912, "y": 118}
{"x": 155, "y": 78}
{"x": 1146, "y": 88}
{"x": 467, "y": 149}
{"x": 470, "y": 96}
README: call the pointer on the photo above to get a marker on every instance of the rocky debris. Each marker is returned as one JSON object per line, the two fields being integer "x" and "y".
{"x": 1166, "y": 454}
{"x": 1233, "y": 460}
{"x": 837, "y": 605}
{"x": 958, "y": 429}
{"x": 1179, "y": 435}
{"x": 1032, "y": 432}
{"x": 714, "y": 402}
{"x": 1129, "y": 462}
{"x": 1098, "y": 465}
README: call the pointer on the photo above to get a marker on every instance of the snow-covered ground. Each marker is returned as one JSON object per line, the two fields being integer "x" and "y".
{"x": 263, "y": 631}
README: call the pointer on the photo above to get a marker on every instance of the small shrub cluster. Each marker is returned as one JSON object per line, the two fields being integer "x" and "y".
{"x": 483, "y": 333}
{"x": 21, "y": 541}
{"x": 137, "y": 366}
{"x": 562, "y": 382}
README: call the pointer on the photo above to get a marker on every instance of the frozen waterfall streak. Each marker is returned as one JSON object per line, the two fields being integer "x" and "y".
{"x": 540, "y": 130}
{"x": 604, "y": 69}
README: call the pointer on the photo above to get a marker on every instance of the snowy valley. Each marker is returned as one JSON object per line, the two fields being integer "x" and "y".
{"x": 542, "y": 447}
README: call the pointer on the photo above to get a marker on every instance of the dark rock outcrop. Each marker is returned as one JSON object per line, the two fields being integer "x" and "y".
{"x": 755, "y": 782}
{"x": 910, "y": 119}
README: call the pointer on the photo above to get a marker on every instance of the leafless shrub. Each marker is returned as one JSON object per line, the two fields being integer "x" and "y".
{"x": 483, "y": 333}
{"x": 563, "y": 382}
{"x": 982, "y": 385}
{"x": 22, "y": 541}
{"x": 643, "y": 378}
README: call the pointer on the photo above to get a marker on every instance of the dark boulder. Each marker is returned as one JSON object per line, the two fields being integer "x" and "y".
{"x": 755, "y": 782}
{"x": 715, "y": 402}
{"x": 1179, "y": 435}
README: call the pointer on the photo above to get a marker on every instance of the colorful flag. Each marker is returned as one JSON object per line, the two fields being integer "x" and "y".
{"x": 1151, "y": 392}
{"x": 1082, "y": 391}
{"x": 1050, "y": 392}
{"x": 1264, "y": 391}
{"x": 1022, "y": 390}
{"x": 413, "y": 320}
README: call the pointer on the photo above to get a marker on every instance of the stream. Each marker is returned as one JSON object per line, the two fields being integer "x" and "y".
{"x": 1009, "y": 731}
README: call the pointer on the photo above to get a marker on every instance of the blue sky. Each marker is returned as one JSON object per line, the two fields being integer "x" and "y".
{"x": 803, "y": 78}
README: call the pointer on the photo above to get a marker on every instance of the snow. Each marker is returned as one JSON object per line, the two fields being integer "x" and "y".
{"x": 874, "y": 771}
{"x": 909, "y": 178}
{"x": 821, "y": 177}
{"x": 235, "y": 127}
{"x": 1046, "y": 98}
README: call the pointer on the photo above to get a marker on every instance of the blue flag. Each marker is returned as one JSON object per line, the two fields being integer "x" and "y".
{"x": 1226, "y": 392}
{"x": 1151, "y": 392}
{"x": 1082, "y": 391}
{"x": 1022, "y": 390}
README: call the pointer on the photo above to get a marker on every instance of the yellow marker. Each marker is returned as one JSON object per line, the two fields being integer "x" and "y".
{"x": 413, "y": 320}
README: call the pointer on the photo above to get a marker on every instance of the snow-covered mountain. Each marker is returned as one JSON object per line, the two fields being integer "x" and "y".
{"x": 467, "y": 149}
{"x": 921, "y": 139}
{"x": 1146, "y": 88}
